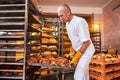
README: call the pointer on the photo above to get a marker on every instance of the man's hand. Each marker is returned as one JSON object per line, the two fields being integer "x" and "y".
{"x": 76, "y": 58}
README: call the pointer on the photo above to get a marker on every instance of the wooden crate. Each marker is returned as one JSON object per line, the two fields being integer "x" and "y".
{"x": 103, "y": 68}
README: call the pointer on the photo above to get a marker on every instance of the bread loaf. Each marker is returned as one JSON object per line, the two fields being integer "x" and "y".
{"x": 52, "y": 47}
{"x": 33, "y": 48}
{"x": 52, "y": 40}
{"x": 54, "y": 54}
{"x": 47, "y": 53}
{"x": 45, "y": 40}
{"x": 34, "y": 42}
{"x": 35, "y": 34}
{"x": 45, "y": 34}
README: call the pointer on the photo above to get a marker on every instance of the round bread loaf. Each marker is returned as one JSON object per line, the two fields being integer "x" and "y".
{"x": 34, "y": 48}
{"x": 45, "y": 34}
{"x": 52, "y": 40}
{"x": 54, "y": 54}
{"x": 44, "y": 46}
{"x": 47, "y": 53}
{"x": 52, "y": 47}
{"x": 45, "y": 40}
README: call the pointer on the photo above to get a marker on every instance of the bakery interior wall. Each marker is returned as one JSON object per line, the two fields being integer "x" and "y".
{"x": 111, "y": 28}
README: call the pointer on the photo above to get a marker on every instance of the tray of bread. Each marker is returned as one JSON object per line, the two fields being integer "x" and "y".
{"x": 49, "y": 61}
{"x": 101, "y": 58}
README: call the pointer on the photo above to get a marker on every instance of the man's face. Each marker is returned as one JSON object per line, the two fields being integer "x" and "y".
{"x": 63, "y": 15}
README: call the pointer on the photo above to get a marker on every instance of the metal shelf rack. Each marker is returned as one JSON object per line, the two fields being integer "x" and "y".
{"x": 13, "y": 20}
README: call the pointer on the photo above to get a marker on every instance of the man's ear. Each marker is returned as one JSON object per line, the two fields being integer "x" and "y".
{"x": 68, "y": 12}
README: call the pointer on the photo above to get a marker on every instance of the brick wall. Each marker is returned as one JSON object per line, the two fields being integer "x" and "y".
{"x": 111, "y": 19}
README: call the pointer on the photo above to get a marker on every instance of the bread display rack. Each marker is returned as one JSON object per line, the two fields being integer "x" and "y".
{"x": 43, "y": 42}
{"x": 51, "y": 31}
{"x": 21, "y": 33}
{"x": 105, "y": 67}
{"x": 34, "y": 29}
{"x": 16, "y": 26}
{"x": 13, "y": 28}
{"x": 51, "y": 47}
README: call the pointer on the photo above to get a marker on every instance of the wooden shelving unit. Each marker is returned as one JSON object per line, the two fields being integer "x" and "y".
{"x": 104, "y": 68}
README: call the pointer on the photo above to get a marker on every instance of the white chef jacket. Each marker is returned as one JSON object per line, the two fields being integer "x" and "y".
{"x": 78, "y": 33}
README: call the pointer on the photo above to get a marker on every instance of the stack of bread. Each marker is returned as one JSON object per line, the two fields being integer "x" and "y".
{"x": 49, "y": 42}
{"x": 60, "y": 61}
{"x": 105, "y": 57}
{"x": 49, "y": 53}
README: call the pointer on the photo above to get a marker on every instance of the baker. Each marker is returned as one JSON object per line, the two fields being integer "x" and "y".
{"x": 78, "y": 32}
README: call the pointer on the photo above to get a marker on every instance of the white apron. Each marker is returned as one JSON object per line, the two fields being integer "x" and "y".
{"x": 82, "y": 68}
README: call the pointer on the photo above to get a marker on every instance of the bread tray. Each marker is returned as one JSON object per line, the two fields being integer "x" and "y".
{"x": 52, "y": 66}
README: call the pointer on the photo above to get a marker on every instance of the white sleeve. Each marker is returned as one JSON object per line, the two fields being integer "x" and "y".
{"x": 83, "y": 31}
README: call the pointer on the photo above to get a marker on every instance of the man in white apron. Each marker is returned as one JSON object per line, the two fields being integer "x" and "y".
{"x": 78, "y": 32}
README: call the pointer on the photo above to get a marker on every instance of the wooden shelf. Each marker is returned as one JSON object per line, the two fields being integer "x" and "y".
{"x": 104, "y": 68}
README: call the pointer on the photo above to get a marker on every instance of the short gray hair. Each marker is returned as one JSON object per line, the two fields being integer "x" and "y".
{"x": 64, "y": 7}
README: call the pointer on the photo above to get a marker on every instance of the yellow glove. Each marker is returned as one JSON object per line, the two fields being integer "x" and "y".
{"x": 76, "y": 58}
